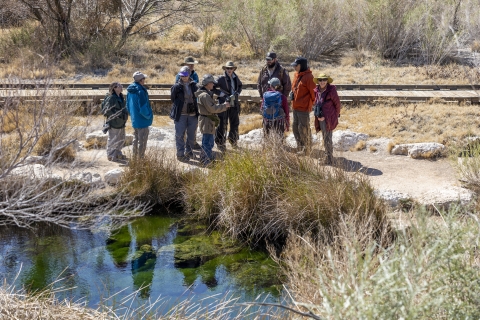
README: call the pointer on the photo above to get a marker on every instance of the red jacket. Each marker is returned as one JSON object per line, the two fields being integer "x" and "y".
{"x": 303, "y": 91}
{"x": 285, "y": 109}
{"x": 330, "y": 108}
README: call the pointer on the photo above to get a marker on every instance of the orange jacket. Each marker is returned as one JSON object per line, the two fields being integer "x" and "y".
{"x": 303, "y": 91}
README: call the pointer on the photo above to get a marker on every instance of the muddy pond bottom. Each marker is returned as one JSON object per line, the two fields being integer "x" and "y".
{"x": 151, "y": 257}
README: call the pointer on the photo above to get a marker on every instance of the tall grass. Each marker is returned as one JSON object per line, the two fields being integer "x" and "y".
{"x": 265, "y": 194}
{"x": 431, "y": 271}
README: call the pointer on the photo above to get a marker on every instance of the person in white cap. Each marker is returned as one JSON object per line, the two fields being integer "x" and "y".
{"x": 141, "y": 112}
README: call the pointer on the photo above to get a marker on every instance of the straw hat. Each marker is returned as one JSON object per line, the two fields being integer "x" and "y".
{"x": 323, "y": 76}
{"x": 229, "y": 64}
{"x": 190, "y": 60}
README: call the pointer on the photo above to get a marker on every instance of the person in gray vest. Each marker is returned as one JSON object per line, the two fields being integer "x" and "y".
{"x": 113, "y": 108}
{"x": 273, "y": 69}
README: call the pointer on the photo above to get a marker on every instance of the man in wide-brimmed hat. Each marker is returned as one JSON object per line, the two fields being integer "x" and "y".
{"x": 273, "y": 69}
{"x": 208, "y": 116}
{"x": 190, "y": 62}
{"x": 229, "y": 87}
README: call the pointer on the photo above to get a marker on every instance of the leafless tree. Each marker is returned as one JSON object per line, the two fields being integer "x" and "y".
{"x": 32, "y": 193}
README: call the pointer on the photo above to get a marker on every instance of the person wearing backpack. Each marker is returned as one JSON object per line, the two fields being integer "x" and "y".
{"x": 326, "y": 112}
{"x": 273, "y": 69}
{"x": 116, "y": 114}
{"x": 275, "y": 111}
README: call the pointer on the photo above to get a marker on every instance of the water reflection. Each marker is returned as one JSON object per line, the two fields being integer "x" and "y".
{"x": 145, "y": 255}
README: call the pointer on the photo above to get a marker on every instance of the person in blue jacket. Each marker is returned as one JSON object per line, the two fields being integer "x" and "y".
{"x": 138, "y": 106}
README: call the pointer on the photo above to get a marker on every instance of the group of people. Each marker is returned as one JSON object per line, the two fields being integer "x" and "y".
{"x": 193, "y": 106}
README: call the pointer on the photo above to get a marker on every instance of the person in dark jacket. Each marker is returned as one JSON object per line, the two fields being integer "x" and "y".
{"x": 229, "y": 87}
{"x": 279, "y": 123}
{"x": 184, "y": 113}
{"x": 273, "y": 69}
{"x": 302, "y": 97}
{"x": 113, "y": 108}
{"x": 326, "y": 111}
{"x": 138, "y": 106}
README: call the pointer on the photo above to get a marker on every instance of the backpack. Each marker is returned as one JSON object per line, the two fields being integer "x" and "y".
{"x": 272, "y": 104}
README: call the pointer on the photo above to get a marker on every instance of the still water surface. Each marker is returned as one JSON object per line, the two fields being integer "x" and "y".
{"x": 95, "y": 265}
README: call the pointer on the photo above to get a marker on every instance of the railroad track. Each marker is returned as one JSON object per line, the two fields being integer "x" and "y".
{"x": 94, "y": 93}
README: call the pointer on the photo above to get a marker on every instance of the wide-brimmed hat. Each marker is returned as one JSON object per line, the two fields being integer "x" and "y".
{"x": 323, "y": 76}
{"x": 190, "y": 60}
{"x": 229, "y": 64}
{"x": 184, "y": 71}
{"x": 137, "y": 76}
{"x": 208, "y": 78}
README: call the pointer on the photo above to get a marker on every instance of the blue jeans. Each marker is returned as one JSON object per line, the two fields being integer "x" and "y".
{"x": 187, "y": 124}
{"x": 207, "y": 146}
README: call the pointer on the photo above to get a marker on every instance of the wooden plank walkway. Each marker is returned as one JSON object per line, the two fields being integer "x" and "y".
{"x": 348, "y": 93}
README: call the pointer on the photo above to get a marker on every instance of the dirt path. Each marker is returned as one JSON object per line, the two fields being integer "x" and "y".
{"x": 427, "y": 181}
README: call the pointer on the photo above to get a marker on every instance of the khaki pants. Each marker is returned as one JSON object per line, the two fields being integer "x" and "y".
{"x": 115, "y": 143}
{"x": 140, "y": 137}
{"x": 301, "y": 130}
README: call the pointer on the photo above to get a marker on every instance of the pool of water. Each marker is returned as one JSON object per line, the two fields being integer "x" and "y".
{"x": 141, "y": 256}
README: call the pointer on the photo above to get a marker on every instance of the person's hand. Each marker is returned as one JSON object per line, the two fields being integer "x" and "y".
{"x": 321, "y": 119}
{"x": 227, "y": 104}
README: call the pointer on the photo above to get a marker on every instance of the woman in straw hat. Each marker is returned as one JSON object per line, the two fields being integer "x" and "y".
{"x": 327, "y": 111}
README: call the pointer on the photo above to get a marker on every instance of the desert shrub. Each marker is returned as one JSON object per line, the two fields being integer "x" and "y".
{"x": 431, "y": 271}
{"x": 184, "y": 33}
{"x": 156, "y": 179}
{"x": 265, "y": 194}
{"x": 468, "y": 164}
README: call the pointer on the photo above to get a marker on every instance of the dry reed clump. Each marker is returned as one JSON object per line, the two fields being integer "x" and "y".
{"x": 413, "y": 122}
{"x": 359, "y": 146}
{"x": 19, "y": 305}
{"x": 258, "y": 195}
{"x": 374, "y": 149}
{"x": 432, "y": 270}
{"x": 468, "y": 165}
{"x": 156, "y": 179}
{"x": 254, "y": 122}
{"x": 186, "y": 32}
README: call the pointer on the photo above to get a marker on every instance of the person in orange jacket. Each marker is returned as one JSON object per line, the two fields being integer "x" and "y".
{"x": 302, "y": 97}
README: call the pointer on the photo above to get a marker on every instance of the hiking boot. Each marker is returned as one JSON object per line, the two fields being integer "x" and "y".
{"x": 222, "y": 148}
{"x": 182, "y": 158}
{"x": 196, "y": 146}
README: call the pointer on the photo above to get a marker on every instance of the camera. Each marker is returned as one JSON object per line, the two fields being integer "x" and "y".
{"x": 230, "y": 98}
{"x": 190, "y": 108}
{"x": 105, "y": 128}
{"x": 317, "y": 110}
{"x": 291, "y": 95}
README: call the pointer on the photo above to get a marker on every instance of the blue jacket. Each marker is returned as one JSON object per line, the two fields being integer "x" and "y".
{"x": 138, "y": 106}
{"x": 193, "y": 76}
{"x": 177, "y": 96}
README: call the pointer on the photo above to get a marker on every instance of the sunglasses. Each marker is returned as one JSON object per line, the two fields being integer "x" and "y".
{"x": 322, "y": 80}
{"x": 229, "y": 68}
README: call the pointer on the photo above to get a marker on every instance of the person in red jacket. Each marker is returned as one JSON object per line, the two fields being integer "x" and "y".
{"x": 302, "y": 97}
{"x": 326, "y": 111}
{"x": 275, "y": 111}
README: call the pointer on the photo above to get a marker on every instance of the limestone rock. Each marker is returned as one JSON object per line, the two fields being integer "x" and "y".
{"x": 87, "y": 177}
{"x": 419, "y": 150}
{"x": 344, "y": 140}
{"x": 113, "y": 177}
{"x": 392, "y": 197}
{"x": 36, "y": 171}
{"x": 97, "y": 139}
{"x": 443, "y": 198}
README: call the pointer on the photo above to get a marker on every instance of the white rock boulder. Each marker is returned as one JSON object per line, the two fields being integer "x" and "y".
{"x": 392, "y": 197}
{"x": 419, "y": 150}
{"x": 98, "y": 139}
{"x": 113, "y": 177}
{"x": 87, "y": 177}
{"x": 35, "y": 171}
{"x": 444, "y": 197}
{"x": 344, "y": 140}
